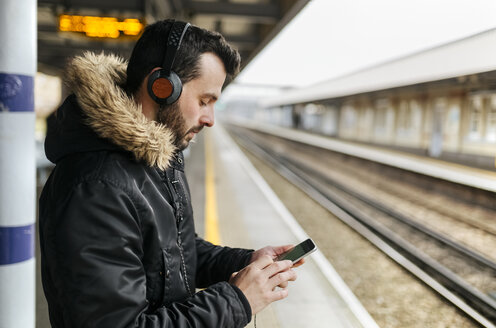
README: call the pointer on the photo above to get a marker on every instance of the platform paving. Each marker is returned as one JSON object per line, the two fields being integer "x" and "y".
{"x": 249, "y": 218}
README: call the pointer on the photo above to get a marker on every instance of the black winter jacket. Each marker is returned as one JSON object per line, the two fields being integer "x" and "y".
{"x": 118, "y": 243}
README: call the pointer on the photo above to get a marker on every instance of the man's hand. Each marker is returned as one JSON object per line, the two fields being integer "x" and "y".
{"x": 258, "y": 281}
{"x": 274, "y": 252}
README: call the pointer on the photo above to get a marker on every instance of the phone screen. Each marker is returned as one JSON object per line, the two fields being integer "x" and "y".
{"x": 299, "y": 251}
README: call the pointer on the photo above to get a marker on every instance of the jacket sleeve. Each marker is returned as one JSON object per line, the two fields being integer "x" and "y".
{"x": 217, "y": 263}
{"x": 96, "y": 253}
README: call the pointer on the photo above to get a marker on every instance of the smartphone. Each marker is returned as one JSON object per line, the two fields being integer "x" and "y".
{"x": 299, "y": 251}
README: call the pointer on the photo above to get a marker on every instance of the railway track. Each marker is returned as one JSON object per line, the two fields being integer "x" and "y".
{"x": 408, "y": 242}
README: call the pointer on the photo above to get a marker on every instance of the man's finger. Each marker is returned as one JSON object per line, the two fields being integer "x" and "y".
{"x": 276, "y": 267}
{"x": 282, "y": 278}
{"x": 278, "y": 294}
{"x": 282, "y": 249}
{"x": 300, "y": 262}
{"x": 262, "y": 262}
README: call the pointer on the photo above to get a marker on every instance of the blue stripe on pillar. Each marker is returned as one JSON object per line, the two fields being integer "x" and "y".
{"x": 16, "y": 244}
{"x": 16, "y": 93}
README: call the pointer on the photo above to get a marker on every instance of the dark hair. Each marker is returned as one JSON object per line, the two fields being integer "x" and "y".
{"x": 149, "y": 51}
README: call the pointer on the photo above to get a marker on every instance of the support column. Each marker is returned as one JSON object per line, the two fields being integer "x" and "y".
{"x": 17, "y": 163}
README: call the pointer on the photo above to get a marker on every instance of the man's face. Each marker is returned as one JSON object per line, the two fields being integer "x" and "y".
{"x": 195, "y": 107}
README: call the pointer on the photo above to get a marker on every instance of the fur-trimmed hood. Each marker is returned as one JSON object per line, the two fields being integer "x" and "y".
{"x": 106, "y": 109}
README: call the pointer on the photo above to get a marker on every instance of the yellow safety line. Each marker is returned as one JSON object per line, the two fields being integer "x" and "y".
{"x": 211, "y": 217}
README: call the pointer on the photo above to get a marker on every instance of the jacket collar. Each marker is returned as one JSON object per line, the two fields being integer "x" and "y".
{"x": 177, "y": 162}
{"x": 96, "y": 80}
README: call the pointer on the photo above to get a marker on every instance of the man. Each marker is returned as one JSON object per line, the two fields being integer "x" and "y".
{"x": 118, "y": 245}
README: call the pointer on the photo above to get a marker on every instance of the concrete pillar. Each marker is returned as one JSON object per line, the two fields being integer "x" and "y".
{"x": 17, "y": 163}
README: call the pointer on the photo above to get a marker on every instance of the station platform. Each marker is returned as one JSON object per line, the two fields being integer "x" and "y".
{"x": 235, "y": 207}
{"x": 456, "y": 173}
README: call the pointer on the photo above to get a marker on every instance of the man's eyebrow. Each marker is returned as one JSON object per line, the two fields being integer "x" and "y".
{"x": 210, "y": 95}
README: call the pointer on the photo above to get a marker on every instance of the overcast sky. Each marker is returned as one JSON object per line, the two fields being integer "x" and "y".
{"x": 329, "y": 38}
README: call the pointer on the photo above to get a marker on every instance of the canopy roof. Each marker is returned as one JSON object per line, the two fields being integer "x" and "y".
{"x": 247, "y": 24}
{"x": 472, "y": 55}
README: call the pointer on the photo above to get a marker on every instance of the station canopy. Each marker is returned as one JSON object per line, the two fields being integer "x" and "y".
{"x": 69, "y": 27}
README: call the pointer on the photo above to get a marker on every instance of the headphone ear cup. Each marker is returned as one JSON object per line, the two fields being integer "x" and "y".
{"x": 163, "y": 88}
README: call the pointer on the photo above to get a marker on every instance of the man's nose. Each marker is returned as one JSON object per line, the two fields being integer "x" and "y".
{"x": 207, "y": 118}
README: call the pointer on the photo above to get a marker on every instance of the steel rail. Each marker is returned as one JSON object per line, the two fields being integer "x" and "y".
{"x": 478, "y": 306}
{"x": 477, "y": 256}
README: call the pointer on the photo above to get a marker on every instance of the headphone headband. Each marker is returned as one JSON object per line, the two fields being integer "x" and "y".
{"x": 164, "y": 86}
{"x": 176, "y": 35}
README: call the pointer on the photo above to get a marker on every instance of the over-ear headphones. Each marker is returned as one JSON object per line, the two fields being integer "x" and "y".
{"x": 164, "y": 86}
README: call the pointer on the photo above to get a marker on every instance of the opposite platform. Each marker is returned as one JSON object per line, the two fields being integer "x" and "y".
{"x": 248, "y": 214}
{"x": 457, "y": 173}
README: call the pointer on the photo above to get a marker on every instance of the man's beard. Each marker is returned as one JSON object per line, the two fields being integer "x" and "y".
{"x": 173, "y": 119}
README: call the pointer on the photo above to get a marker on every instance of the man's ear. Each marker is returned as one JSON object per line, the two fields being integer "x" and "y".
{"x": 153, "y": 70}
{"x": 150, "y": 73}
{"x": 144, "y": 83}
